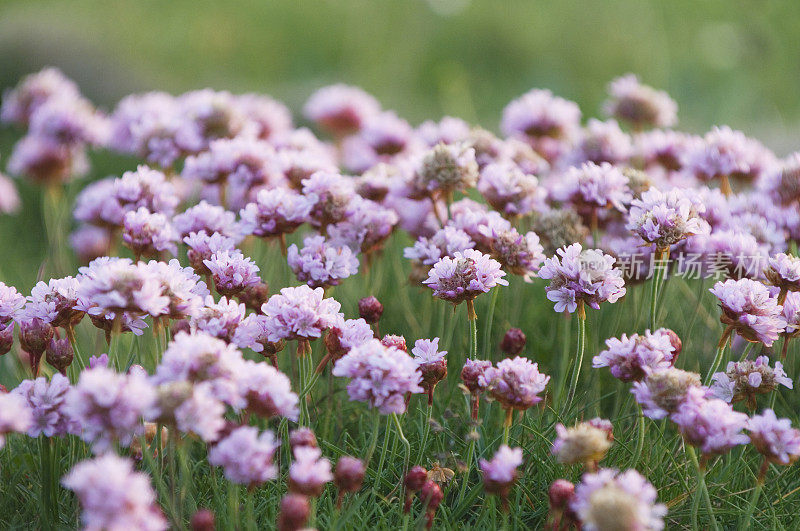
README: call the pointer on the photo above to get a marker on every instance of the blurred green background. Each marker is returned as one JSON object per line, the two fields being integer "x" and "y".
{"x": 723, "y": 61}
{"x": 735, "y": 62}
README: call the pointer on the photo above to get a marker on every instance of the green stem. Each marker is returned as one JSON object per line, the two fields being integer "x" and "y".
{"x": 751, "y": 506}
{"x": 655, "y": 286}
{"x": 403, "y": 439}
{"x": 47, "y": 494}
{"x": 383, "y": 455}
{"x": 473, "y": 330}
{"x": 304, "y": 355}
{"x": 579, "y": 356}
{"x": 487, "y": 331}
{"x": 426, "y": 430}
{"x": 642, "y": 429}
{"x": 702, "y": 490}
{"x": 468, "y": 464}
{"x": 376, "y": 419}
{"x": 719, "y": 355}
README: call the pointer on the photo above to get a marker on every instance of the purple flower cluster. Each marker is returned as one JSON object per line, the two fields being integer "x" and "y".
{"x": 578, "y": 275}
{"x": 515, "y": 383}
{"x": 464, "y": 276}
{"x": 320, "y": 263}
{"x": 750, "y": 309}
{"x": 632, "y": 358}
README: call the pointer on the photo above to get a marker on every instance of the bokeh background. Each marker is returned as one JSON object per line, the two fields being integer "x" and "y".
{"x": 725, "y": 62}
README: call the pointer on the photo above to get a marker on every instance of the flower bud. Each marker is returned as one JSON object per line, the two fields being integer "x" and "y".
{"x": 34, "y": 335}
{"x": 349, "y": 474}
{"x": 560, "y": 493}
{"x": 471, "y": 373}
{"x": 431, "y": 496}
{"x": 416, "y": 478}
{"x": 302, "y": 437}
{"x": 370, "y": 309}
{"x": 6, "y": 338}
{"x": 59, "y": 354}
{"x": 513, "y": 342}
{"x": 254, "y": 296}
{"x": 203, "y": 520}
{"x": 294, "y": 512}
{"x": 398, "y": 342}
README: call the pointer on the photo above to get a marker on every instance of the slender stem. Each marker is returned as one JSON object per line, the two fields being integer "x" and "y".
{"x": 723, "y": 342}
{"x": 641, "y": 430}
{"x": 662, "y": 255}
{"x": 702, "y": 490}
{"x": 47, "y": 494}
{"x": 376, "y": 419}
{"x": 746, "y": 351}
{"x": 468, "y": 464}
{"x": 426, "y": 429}
{"x": 473, "y": 330}
{"x": 304, "y": 357}
{"x": 383, "y": 454}
{"x": 578, "y": 357}
{"x": 563, "y": 365}
{"x": 403, "y": 439}
{"x": 507, "y": 424}
{"x": 487, "y": 331}
{"x": 751, "y": 506}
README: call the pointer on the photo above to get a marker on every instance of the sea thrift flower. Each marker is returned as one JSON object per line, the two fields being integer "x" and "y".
{"x": 246, "y": 456}
{"x": 592, "y": 188}
{"x": 724, "y": 153}
{"x": 302, "y": 436}
{"x": 116, "y": 285}
{"x": 341, "y": 109}
{"x": 630, "y": 358}
{"x": 549, "y": 123}
{"x": 663, "y": 390}
{"x": 640, "y": 105}
{"x": 267, "y": 390}
{"x": 309, "y": 472}
{"x": 33, "y": 91}
{"x": 366, "y": 226}
{"x": 382, "y": 138}
{"x": 207, "y": 217}
{"x": 148, "y": 234}
{"x": 774, "y": 438}
{"x": 113, "y": 496}
{"x": 55, "y": 301}
{"x": 330, "y": 195}
{"x": 559, "y": 228}
{"x": 232, "y": 272}
{"x": 603, "y": 142}
{"x": 560, "y": 496}
{"x": 203, "y": 520}
{"x": 320, "y": 263}
{"x": 445, "y": 242}
{"x": 581, "y": 275}
{"x": 515, "y": 383}
{"x": 500, "y": 474}
{"x": 783, "y": 271}
{"x": 749, "y": 309}
{"x": 184, "y": 290}
{"x": 69, "y": 121}
{"x": 709, "y": 423}
{"x": 745, "y": 379}
{"x": 300, "y": 313}
{"x": 473, "y": 376}
{"x": 464, "y": 276}
{"x": 585, "y": 443}
{"x": 520, "y": 254}
{"x": 448, "y": 168}
{"x": 414, "y": 480}
{"x": 610, "y": 499}
{"x": 276, "y": 212}
{"x": 509, "y": 190}
{"x": 34, "y": 336}
{"x": 46, "y": 161}
{"x": 666, "y": 218}
{"x": 15, "y": 415}
{"x": 146, "y": 188}
{"x": 430, "y": 363}
{"x": 11, "y": 301}
{"x": 109, "y": 406}
{"x": 219, "y": 319}
{"x": 379, "y": 375}
{"x": 45, "y": 401}
{"x": 344, "y": 336}
{"x": 203, "y": 246}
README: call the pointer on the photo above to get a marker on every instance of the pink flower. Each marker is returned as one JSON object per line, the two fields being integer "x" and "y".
{"x": 300, "y": 313}
{"x": 515, "y": 383}
{"x": 321, "y": 263}
{"x": 246, "y": 456}
{"x": 709, "y": 423}
{"x": 464, "y": 276}
{"x": 774, "y": 438}
{"x": 750, "y": 309}
{"x": 113, "y": 496}
{"x": 310, "y": 471}
{"x": 631, "y": 358}
{"x": 640, "y": 105}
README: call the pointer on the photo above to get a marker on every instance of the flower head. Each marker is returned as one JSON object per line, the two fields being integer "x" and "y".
{"x": 300, "y": 313}
{"x": 113, "y": 496}
{"x": 630, "y": 358}
{"x": 464, "y": 276}
{"x": 379, "y": 375}
{"x": 745, "y": 379}
{"x": 783, "y": 271}
{"x": 774, "y": 438}
{"x": 148, "y": 234}
{"x": 447, "y": 168}
{"x": 666, "y": 218}
{"x": 709, "y": 423}
{"x": 15, "y": 415}
{"x": 610, "y": 499}
{"x": 750, "y": 309}
{"x": 341, "y": 109}
{"x": 663, "y": 390}
{"x": 515, "y": 383}
{"x": 309, "y": 472}
{"x": 586, "y": 442}
{"x": 45, "y": 400}
{"x": 594, "y": 186}
{"x": 640, "y": 105}
{"x": 232, "y": 272}
{"x": 500, "y": 473}
{"x": 321, "y": 263}
{"x": 275, "y": 212}
{"x": 581, "y": 275}
{"x": 246, "y": 456}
